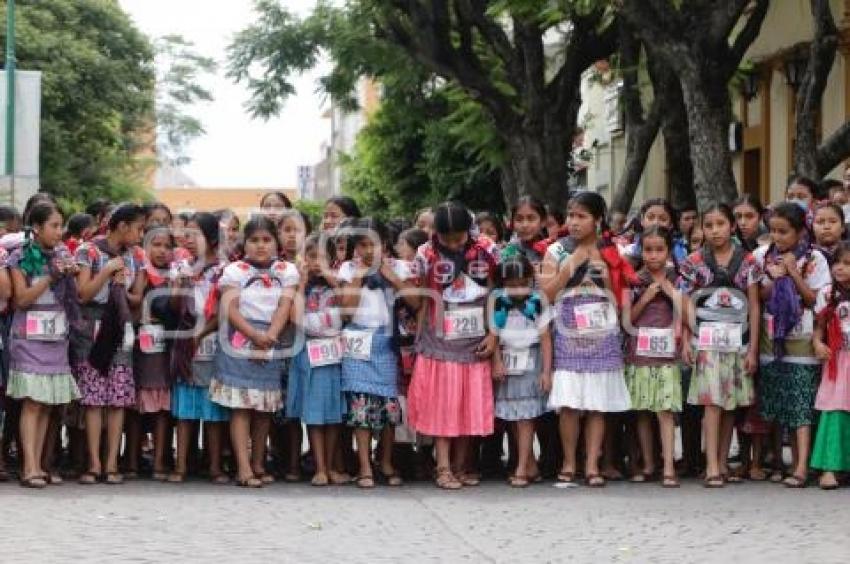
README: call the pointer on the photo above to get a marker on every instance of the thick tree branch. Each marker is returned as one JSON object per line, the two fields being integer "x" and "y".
{"x": 749, "y": 34}
{"x": 724, "y": 17}
{"x": 834, "y": 150}
{"x": 822, "y": 51}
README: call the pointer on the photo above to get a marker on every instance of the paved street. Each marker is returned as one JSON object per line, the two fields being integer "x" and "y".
{"x": 149, "y": 522}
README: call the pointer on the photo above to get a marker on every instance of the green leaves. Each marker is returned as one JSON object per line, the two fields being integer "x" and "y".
{"x": 97, "y": 94}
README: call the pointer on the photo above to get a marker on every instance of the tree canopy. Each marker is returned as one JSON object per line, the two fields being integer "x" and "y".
{"x": 97, "y": 95}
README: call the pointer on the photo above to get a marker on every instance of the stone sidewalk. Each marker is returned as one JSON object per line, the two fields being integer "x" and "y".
{"x": 197, "y": 522}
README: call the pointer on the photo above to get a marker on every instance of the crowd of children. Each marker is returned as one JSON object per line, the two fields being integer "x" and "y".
{"x": 550, "y": 344}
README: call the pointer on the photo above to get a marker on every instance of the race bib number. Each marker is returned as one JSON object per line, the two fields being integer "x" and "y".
{"x": 655, "y": 342}
{"x": 595, "y": 317}
{"x": 357, "y": 344}
{"x": 717, "y": 336}
{"x": 207, "y": 348}
{"x": 46, "y": 325}
{"x": 152, "y": 339}
{"x": 324, "y": 352}
{"x": 804, "y": 329}
{"x": 464, "y": 323}
{"x": 516, "y": 361}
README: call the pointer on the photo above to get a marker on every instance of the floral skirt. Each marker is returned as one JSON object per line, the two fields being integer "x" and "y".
{"x": 50, "y": 389}
{"x": 367, "y": 411}
{"x": 719, "y": 379}
{"x": 787, "y": 393}
{"x": 269, "y": 401}
{"x": 655, "y": 388}
{"x": 116, "y": 388}
{"x": 832, "y": 443}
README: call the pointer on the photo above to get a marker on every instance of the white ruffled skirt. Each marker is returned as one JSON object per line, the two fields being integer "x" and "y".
{"x": 590, "y": 391}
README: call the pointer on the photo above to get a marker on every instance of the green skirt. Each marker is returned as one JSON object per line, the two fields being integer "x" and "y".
{"x": 655, "y": 388}
{"x": 49, "y": 389}
{"x": 787, "y": 393}
{"x": 832, "y": 443}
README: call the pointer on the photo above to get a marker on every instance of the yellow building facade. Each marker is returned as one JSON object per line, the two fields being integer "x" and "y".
{"x": 765, "y": 158}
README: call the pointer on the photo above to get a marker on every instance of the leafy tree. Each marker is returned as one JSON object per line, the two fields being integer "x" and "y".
{"x": 97, "y": 95}
{"x": 494, "y": 51}
{"x": 412, "y": 155}
{"x": 703, "y": 42}
{"x": 178, "y": 89}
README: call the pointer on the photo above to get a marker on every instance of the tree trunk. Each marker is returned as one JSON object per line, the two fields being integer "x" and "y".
{"x": 538, "y": 167}
{"x": 709, "y": 115}
{"x": 510, "y": 190}
{"x": 677, "y": 148}
{"x": 638, "y": 144}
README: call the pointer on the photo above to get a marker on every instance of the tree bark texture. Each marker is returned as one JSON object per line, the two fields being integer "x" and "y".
{"x": 536, "y": 115}
{"x": 821, "y": 58}
{"x": 695, "y": 41}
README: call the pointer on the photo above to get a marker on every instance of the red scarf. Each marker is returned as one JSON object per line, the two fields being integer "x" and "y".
{"x": 622, "y": 273}
{"x": 834, "y": 335}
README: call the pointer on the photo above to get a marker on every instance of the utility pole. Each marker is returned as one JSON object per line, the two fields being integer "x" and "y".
{"x": 10, "y": 96}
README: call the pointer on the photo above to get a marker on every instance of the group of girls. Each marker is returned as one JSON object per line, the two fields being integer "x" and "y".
{"x": 443, "y": 333}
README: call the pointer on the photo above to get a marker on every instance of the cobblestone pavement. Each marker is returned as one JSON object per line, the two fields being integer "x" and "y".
{"x": 197, "y": 522}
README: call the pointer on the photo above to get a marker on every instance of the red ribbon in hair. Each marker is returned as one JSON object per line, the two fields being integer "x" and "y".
{"x": 834, "y": 339}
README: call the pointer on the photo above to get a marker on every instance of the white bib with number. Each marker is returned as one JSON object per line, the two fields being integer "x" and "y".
{"x": 463, "y": 323}
{"x": 152, "y": 338}
{"x": 656, "y": 342}
{"x": 595, "y": 317}
{"x": 803, "y": 331}
{"x": 357, "y": 344}
{"x": 207, "y": 348}
{"x": 46, "y": 325}
{"x": 719, "y": 336}
{"x": 516, "y": 361}
{"x": 324, "y": 352}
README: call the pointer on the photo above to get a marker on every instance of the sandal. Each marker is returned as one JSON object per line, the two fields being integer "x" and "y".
{"x": 319, "y": 480}
{"x": 795, "y": 482}
{"x": 595, "y": 481}
{"x": 670, "y": 482}
{"x": 34, "y": 482}
{"x": 53, "y": 478}
{"x": 220, "y": 479}
{"x": 392, "y": 479}
{"x": 518, "y": 481}
{"x": 339, "y": 479}
{"x": 176, "y": 478}
{"x": 446, "y": 480}
{"x": 251, "y": 482}
{"x": 731, "y": 478}
{"x": 89, "y": 478}
{"x": 267, "y": 479}
{"x": 642, "y": 477}
{"x": 757, "y": 475}
{"x": 114, "y": 478}
{"x": 566, "y": 478}
{"x": 469, "y": 480}
{"x": 777, "y": 476}
{"x": 713, "y": 481}
{"x": 365, "y": 482}
{"x": 290, "y": 477}
{"x": 827, "y": 486}
{"x": 160, "y": 476}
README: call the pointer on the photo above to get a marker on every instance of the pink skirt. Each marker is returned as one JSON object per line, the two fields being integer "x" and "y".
{"x": 834, "y": 395}
{"x": 153, "y": 400}
{"x": 450, "y": 399}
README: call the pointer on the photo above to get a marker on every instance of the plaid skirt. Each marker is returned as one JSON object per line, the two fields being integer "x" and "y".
{"x": 377, "y": 376}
